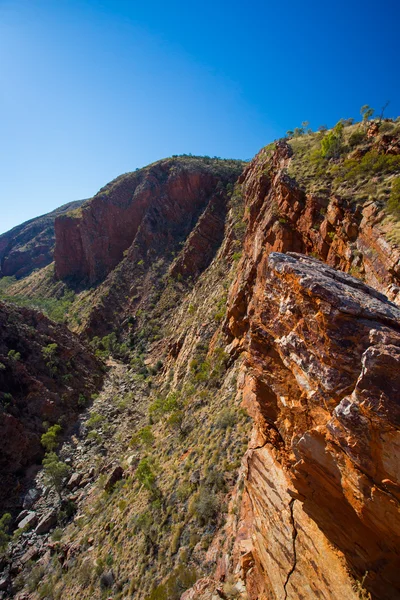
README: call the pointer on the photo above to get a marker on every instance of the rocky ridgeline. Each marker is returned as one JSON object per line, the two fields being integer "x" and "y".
{"x": 152, "y": 210}
{"x": 252, "y": 318}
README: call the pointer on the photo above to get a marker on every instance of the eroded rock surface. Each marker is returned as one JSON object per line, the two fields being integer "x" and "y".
{"x": 321, "y": 382}
{"x": 282, "y": 217}
{"x": 154, "y": 209}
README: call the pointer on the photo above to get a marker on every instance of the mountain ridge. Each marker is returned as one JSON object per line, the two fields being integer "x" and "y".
{"x": 244, "y": 443}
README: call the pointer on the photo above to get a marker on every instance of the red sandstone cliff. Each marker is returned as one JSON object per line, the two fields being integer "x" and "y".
{"x": 154, "y": 209}
{"x": 282, "y": 217}
{"x": 320, "y": 379}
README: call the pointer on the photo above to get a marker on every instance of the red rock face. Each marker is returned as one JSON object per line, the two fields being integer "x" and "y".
{"x": 321, "y": 382}
{"x": 157, "y": 207}
{"x": 32, "y": 391}
{"x": 282, "y": 218}
{"x": 320, "y": 378}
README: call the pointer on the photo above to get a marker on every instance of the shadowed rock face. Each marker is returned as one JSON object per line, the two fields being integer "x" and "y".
{"x": 321, "y": 380}
{"x": 35, "y": 388}
{"x": 153, "y": 209}
{"x": 31, "y": 245}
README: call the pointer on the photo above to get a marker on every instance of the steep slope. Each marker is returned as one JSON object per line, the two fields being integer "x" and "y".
{"x": 31, "y": 245}
{"x": 45, "y": 375}
{"x": 214, "y": 299}
{"x": 158, "y": 205}
{"x": 154, "y": 531}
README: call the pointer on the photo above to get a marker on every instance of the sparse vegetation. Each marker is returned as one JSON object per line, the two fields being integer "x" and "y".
{"x": 49, "y": 440}
{"x": 56, "y": 471}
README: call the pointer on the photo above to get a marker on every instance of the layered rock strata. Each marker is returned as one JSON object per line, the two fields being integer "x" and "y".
{"x": 282, "y": 217}
{"x": 154, "y": 209}
{"x": 321, "y": 380}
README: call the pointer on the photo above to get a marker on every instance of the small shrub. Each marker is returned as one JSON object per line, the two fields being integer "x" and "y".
{"x": 145, "y": 474}
{"x": 331, "y": 144}
{"x": 49, "y": 439}
{"x": 94, "y": 421}
{"x": 145, "y": 436}
{"x": 14, "y": 355}
{"x": 5, "y": 522}
{"x": 55, "y": 471}
{"x": 393, "y": 205}
{"x": 82, "y": 401}
{"x": 49, "y": 355}
{"x": 356, "y": 138}
{"x": 225, "y": 419}
{"x": 204, "y": 506}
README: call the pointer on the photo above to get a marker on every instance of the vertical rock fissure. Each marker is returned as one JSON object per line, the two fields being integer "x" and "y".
{"x": 294, "y": 536}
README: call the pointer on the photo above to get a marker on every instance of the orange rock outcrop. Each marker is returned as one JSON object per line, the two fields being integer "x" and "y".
{"x": 320, "y": 513}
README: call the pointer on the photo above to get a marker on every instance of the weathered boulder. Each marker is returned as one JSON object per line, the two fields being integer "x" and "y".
{"x": 28, "y": 521}
{"x": 116, "y": 474}
{"x": 30, "y": 497}
{"x": 74, "y": 480}
{"x": 47, "y": 522}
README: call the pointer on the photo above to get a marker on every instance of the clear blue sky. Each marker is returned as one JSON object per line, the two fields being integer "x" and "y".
{"x": 90, "y": 89}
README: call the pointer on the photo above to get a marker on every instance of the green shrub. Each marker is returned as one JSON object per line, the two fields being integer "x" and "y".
{"x": 82, "y": 401}
{"x": 356, "y": 138}
{"x": 49, "y": 439}
{"x": 204, "y": 506}
{"x": 49, "y": 355}
{"x": 145, "y": 436}
{"x": 5, "y": 522}
{"x": 180, "y": 580}
{"x": 94, "y": 421}
{"x": 162, "y": 406}
{"x": 14, "y": 355}
{"x": 145, "y": 474}
{"x": 393, "y": 205}
{"x": 226, "y": 418}
{"x": 371, "y": 164}
{"x": 332, "y": 142}
{"x": 55, "y": 472}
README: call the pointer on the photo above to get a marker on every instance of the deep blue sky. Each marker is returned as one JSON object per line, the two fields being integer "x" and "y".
{"x": 90, "y": 89}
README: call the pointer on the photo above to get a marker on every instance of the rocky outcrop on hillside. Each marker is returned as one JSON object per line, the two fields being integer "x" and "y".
{"x": 46, "y": 375}
{"x": 347, "y": 236}
{"x": 160, "y": 223}
{"x": 31, "y": 245}
{"x": 321, "y": 382}
{"x": 154, "y": 209}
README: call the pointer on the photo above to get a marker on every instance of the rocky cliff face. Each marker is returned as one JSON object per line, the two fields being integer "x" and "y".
{"x": 154, "y": 209}
{"x": 31, "y": 245}
{"x": 36, "y": 387}
{"x": 321, "y": 382}
{"x": 281, "y": 216}
{"x": 322, "y": 462}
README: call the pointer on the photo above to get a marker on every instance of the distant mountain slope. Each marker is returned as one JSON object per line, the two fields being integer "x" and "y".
{"x": 30, "y": 245}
